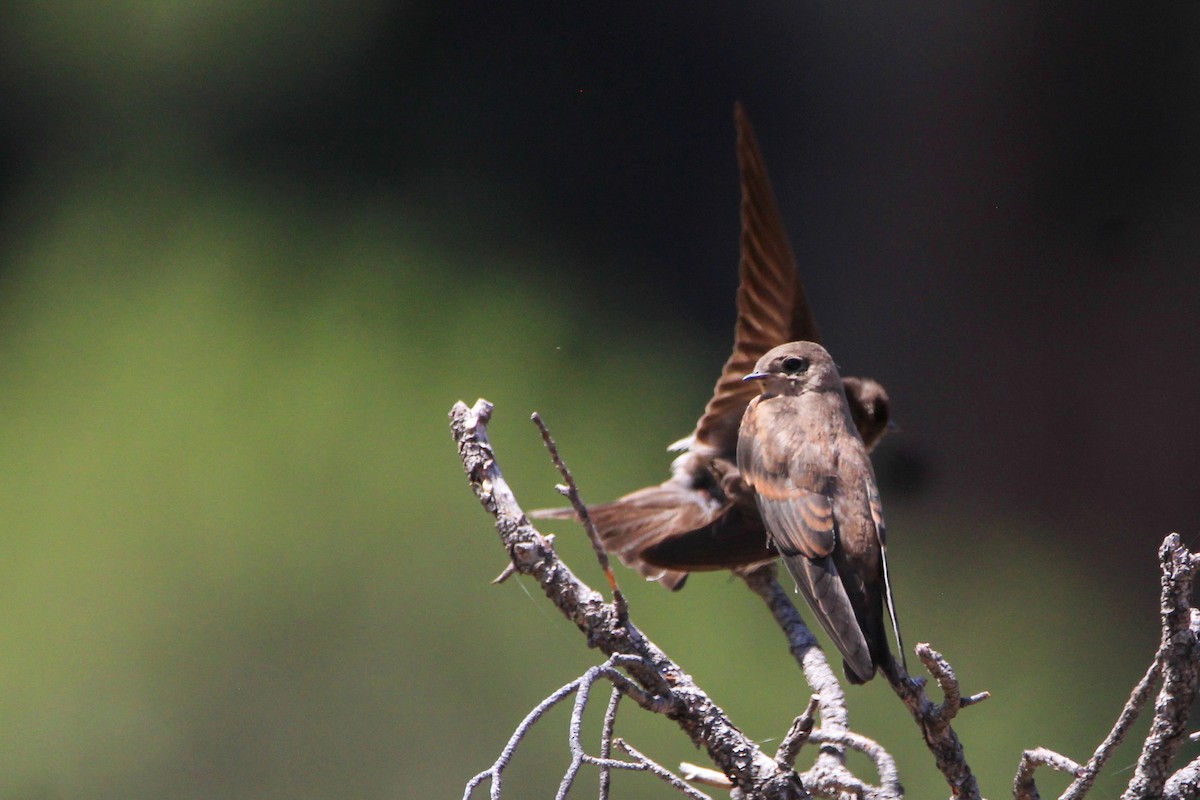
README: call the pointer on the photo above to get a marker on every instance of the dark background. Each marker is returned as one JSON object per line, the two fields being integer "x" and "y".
{"x": 249, "y": 256}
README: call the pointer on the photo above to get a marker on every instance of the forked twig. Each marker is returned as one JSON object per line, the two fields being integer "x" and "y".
{"x": 581, "y": 688}
{"x": 797, "y": 735}
{"x": 1023, "y": 786}
{"x": 934, "y": 719}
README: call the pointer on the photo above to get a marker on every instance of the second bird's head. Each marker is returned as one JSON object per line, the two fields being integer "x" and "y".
{"x": 794, "y": 368}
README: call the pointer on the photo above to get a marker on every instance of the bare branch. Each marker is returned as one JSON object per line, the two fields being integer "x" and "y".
{"x": 885, "y": 765}
{"x": 978, "y": 697}
{"x": 508, "y": 571}
{"x": 1179, "y": 669}
{"x": 578, "y": 756}
{"x": 934, "y": 720}
{"x": 581, "y": 686}
{"x": 666, "y": 688}
{"x": 802, "y": 726}
{"x": 704, "y": 775}
{"x": 1184, "y": 784}
{"x": 1023, "y": 786}
{"x": 1137, "y": 700}
{"x": 806, "y": 651}
{"x": 947, "y": 681}
{"x": 495, "y": 771}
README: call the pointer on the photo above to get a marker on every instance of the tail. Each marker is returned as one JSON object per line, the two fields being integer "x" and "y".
{"x": 819, "y": 582}
{"x": 891, "y": 607}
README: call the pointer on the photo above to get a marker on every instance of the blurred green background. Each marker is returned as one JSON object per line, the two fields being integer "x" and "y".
{"x": 250, "y": 254}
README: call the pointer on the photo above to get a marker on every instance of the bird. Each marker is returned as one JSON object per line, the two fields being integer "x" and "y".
{"x": 704, "y": 517}
{"x": 800, "y": 451}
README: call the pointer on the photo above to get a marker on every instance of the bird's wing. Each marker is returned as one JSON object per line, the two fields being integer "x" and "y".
{"x": 640, "y": 520}
{"x": 771, "y": 305}
{"x": 795, "y": 504}
{"x": 803, "y": 528}
{"x": 818, "y": 580}
{"x": 798, "y": 514}
{"x": 800, "y": 521}
{"x": 733, "y": 539}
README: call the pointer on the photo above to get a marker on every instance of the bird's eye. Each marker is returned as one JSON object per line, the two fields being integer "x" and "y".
{"x": 794, "y": 365}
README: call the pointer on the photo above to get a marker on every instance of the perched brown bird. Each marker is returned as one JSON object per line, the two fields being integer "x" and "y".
{"x": 799, "y": 450}
{"x": 704, "y": 516}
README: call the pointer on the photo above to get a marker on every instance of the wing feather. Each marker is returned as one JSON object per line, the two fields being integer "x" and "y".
{"x": 799, "y": 515}
{"x": 641, "y": 520}
{"x": 771, "y": 305}
{"x": 818, "y": 580}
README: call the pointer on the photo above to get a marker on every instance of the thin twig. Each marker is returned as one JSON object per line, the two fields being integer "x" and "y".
{"x": 978, "y": 697}
{"x": 571, "y": 492}
{"x": 704, "y": 775}
{"x": 606, "y": 738}
{"x": 495, "y": 771}
{"x": 579, "y": 757}
{"x": 1137, "y": 700}
{"x": 1023, "y": 786}
{"x": 657, "y": 769}
{"x": 885, "y": 765}
{"x": 581, "y": 687}
{"x": 508, "y": 571}
{"x": 802, "y": 726}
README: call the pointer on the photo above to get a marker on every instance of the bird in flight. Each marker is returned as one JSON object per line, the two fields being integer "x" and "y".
{"x": 705, "y": 516}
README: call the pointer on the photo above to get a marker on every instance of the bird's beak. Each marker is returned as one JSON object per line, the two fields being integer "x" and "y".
{"x": 756, "y": 376}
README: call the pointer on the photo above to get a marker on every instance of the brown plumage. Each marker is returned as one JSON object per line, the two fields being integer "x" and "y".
{"x": 704, "y": 517}
{"x": 799, "y": 449}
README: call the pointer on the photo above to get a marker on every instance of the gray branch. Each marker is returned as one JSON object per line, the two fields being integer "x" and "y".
{"x": 1184, "y": 784}
{"x": 1179, "y": 666}
{"x": 831, "y": 700}
{"x": 1023, "y": 787}
{"x": 934, "y": 719}
{"x": 666, "y": 688}
{"x": 1176, "y": 664}
{"x": 1137, "y": 700}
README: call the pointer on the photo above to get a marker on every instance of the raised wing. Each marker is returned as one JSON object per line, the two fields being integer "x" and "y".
{"x": 771, "y": 304}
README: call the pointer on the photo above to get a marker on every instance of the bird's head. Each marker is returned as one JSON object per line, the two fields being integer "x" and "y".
{"x": 794, "y": 368}
{"x": 872, "y": 412}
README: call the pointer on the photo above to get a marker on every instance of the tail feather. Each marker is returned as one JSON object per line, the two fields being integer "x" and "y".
{"x": 818, "y": 580}
{"x": 891, "y": 607}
